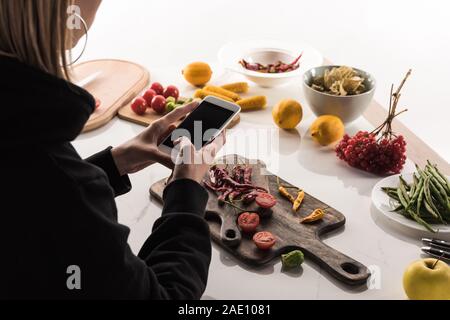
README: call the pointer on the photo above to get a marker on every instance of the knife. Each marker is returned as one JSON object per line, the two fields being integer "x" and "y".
{"x": 437, "y": 253}
{"x": 437, "y": 243}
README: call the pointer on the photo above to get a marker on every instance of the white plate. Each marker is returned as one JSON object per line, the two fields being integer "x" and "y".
{"x": 265, "y": 50}
{"x": 385, "y": 205}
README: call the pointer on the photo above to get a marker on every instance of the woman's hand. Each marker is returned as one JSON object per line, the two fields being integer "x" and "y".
{"x": 142, "y": 151}
{"x": 192, "y": 164}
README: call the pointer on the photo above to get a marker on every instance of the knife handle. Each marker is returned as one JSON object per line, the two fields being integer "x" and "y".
{"x": 437, "y": 243}
{"x": 441, "y": 254}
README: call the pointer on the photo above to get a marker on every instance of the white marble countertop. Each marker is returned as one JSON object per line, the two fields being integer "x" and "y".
{"x": 164, "y": 37}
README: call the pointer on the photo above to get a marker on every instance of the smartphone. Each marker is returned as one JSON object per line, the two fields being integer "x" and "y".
{"x": 203, "y": 124}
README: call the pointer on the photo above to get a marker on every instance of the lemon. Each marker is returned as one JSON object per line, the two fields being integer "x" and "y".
{"x": 327, "y": 130}
{"x": 287, "y": 114}
{"x": 198, "y": 73}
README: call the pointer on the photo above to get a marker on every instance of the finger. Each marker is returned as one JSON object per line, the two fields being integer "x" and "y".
{"x": 185, "y": 144}
{"x": 169, "y": 179}
{"x": 210, "y": 151}
{"x": 219, "y": 141}
{"x": 186, "y": 154}
{"x": 178, "y": 141}
{"x": 224, "y": 137}
{"x": 165, "y": 160}
{"x": 167, "y": 133}
{"x": 178, "y": 113}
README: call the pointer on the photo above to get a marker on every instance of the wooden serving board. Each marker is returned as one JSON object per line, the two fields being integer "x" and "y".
{"x": 284, "y": 224}
{"x": 115, "y": 84}
{"x": 149, "y": 117}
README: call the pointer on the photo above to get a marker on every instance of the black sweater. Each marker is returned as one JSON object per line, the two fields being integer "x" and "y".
{"x": 58, "y": 210}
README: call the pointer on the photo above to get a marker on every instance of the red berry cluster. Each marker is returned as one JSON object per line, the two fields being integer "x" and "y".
{"x": 381, "y": 151}
{"x": 364, "y": 152}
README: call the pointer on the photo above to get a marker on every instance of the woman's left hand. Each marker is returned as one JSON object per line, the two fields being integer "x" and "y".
{"x": 142, "y": 151}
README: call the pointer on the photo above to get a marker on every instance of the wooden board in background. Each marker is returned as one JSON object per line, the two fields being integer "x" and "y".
{"x": 284, "y": 224}
{"x": 116, "y": 84}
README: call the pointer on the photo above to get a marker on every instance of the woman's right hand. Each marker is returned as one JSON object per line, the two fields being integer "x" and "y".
{"x": 192, "y": 164}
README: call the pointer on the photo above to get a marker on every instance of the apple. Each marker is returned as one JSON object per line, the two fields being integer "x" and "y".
{"x": 159, "y": 104}
{"x": 427, "y": 279}
{"x": 158, "y": 88}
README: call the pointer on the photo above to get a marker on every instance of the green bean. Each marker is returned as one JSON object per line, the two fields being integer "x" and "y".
{"x": 432, "y": 212}
{"x": 425, "y": 215}
{"x": 421, "y": 221}
{"x": 387, "y": 189}
{"x": 413, "y": 189}
{"x": 403, "y": 187}
{"x": 414, "y": 184}
{"x": 416, "y": 194}
{"x": 398, "y": 209}
{"x": 429, "y": 201}
{"x": 412, "y": 214}
{"x": 433, "y": 172}
{"x": 402, "y": 199}
{"x": 406, "y": 184}
{"x": 393, "y": 195}
{"x": 415, "y": 179}
{"x": 419, "y": 201}
{"x": 420, "y": 172}
{"x": 424, "y": 200}
{"x": 435, "y": 191}
{"x": 443, "y": 177}
{"x": 440, "y": 187}
{"x": 445, "y": 202}
{"x": 437, "y": 194}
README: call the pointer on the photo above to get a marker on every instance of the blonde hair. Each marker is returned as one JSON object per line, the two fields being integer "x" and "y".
{"x": 35, "y": 32}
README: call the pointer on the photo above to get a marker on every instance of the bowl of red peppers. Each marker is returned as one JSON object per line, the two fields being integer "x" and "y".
{"x": 269, "y": 63}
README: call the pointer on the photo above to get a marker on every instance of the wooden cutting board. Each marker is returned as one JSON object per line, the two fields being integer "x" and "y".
{"x": 115, "y": 83}
{"x": 284, "y": 224}
{"x": 149, "y": 117}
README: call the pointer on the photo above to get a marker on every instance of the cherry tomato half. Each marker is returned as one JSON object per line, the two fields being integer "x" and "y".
{"x": 266, "y": 200}
{"x": 264, "y": 240}
{"x": 248, "y": 222}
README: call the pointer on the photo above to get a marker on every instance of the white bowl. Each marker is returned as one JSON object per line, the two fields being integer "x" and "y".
{"x": 348, "y": 108}
{"x": 267, "y": 52}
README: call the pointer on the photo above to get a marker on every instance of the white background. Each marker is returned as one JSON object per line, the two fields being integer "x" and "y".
{"x": 383, "y": 37}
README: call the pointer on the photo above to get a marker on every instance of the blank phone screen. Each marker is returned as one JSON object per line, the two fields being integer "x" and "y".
{"x": 201, "y": 125}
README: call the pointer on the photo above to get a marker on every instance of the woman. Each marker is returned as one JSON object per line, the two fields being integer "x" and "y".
{"x": 60, "y": 236}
